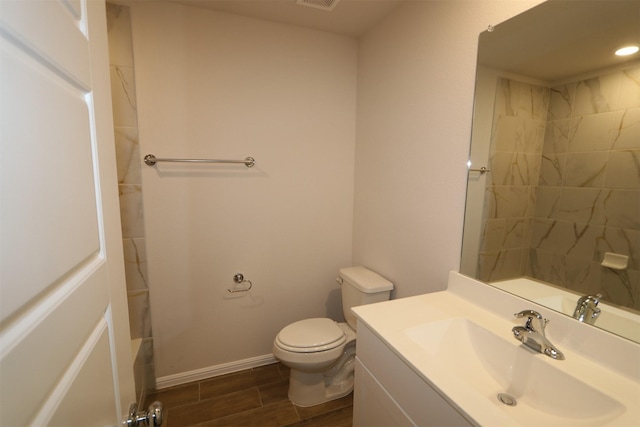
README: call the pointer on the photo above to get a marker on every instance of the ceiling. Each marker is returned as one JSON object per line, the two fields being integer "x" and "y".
{"x": 556, "y": 40}
{"x": 561, "y": 39}
{"x": 349, "y": 17}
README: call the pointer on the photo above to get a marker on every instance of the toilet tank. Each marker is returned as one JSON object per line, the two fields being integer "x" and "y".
{"x": 361, "y": 286}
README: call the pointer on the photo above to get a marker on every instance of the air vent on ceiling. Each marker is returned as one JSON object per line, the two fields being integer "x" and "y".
{"x": 319, "y": 4}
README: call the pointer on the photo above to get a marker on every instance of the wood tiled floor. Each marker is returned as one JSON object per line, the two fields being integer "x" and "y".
{"x": 256, "y": 397}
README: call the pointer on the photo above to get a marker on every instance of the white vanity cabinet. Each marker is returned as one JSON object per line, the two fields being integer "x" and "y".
{"x": 389, "y": 393}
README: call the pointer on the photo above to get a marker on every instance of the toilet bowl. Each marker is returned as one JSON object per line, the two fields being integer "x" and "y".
{"x": 321, "y": 363}
{"x": 321, "y": 352}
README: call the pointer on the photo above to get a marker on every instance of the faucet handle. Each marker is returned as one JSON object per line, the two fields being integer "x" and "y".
{"x": 531, "y": 315}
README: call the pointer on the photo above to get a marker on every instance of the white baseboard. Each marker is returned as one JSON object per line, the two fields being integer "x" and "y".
{"x": 214, "y": 371}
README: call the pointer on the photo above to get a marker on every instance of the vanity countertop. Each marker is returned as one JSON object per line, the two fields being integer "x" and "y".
{"x": 408, "y": 325}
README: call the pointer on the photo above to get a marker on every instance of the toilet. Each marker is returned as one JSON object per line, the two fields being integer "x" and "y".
{"x": 321, "y": 352}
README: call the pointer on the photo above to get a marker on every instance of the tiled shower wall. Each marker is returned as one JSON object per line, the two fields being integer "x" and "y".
{"x": 574, "y": 200}
{"x": 517, "y": 138}
{"x": 589, "y": 188}
{"x": 130, "y": 188}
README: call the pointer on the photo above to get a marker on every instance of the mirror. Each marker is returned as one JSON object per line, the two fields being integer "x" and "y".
{"x": 555, "y": 214}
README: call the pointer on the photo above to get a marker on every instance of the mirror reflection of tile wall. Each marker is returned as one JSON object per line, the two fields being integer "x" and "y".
{"x": 565, "y": 185}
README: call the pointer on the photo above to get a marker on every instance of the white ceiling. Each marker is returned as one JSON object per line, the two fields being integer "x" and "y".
{"x": 349, "y": 17}
{"x": 562, "y": 39}
{"x": 553, "y": 41}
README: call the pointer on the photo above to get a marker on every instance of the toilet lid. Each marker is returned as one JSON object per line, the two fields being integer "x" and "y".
{"x": 311, "y": 335}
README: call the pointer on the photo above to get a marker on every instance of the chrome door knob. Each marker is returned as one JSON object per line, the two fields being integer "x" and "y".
{"x": 152, "y": 417}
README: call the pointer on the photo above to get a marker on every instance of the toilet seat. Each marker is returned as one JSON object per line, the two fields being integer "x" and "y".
{"x": 311, "y": 336}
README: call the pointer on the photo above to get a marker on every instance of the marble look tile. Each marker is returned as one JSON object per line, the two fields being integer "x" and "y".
{"x": 517, "y": 134}
{"x": 131, "y": 211}
{"x": 627, "y": 130}
{"x": 547, "y": 202}
{"x": 580, "y": 275}
{"x": 561, "y": 101}
{"x": 582, "y": 205}
{"x": 623, "y": 170}
{"x": 538, "y": 265}
{"x": 596, "y": 95}
{"x": 123, "y": 96}
{"x": 127, "y": 155}
{"x": 548, "y": 266}
{"x": 509, "y": 168}
{"x": 566, "y": 238}
{"x": 135, "y": 264}
{"x": 556, "y": 136}
{"x": 508, "y": 134}
{"x": 587, "y": 201}
{"x": 594, "y": 132}
{"x": 149, "y": 364}
{"x": 139, "y": 314}
{"x": 119, "y": 34}
{"x": 629, "y": 89}
{"x": 622, "y": 209}
{"x": 575, "y": 239}
{"x": 517, "y": 233}
{"x": 618, "y": 286}
{"x": 501, "y": 265}
{"x": 521, "y": 202}
{"x": 585, "y": 169}
{"x": 500, "y": 166}
{"x": 509, "y": 202}
{"x": 543, "y": 234}
{"x": 486, "y": 265}
{"x": 493, "y": 234}
{"x": 496, "y": 199}
{"x": 510, "y": 263}
{"x": 521, "y": 99}
{"x": 634, "y": 277}
{"x": 552, "y": 170}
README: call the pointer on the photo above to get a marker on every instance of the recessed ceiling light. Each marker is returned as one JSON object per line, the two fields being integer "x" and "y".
{"x": 627, "y": 50}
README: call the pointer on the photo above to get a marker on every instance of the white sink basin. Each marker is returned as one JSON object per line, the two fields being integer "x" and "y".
{"x": 488, "y": 364}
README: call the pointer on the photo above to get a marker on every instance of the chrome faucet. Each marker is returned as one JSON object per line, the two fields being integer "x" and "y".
{"x": 587, "y": 310}
{"x": 532, "y": 334}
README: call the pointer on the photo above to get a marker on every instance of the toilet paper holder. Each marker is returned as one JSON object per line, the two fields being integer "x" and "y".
{"x": 239, "y": 279}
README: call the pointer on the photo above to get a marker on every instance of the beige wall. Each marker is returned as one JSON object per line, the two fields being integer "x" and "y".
{"x": 214, "y": 85}
{"x": 415, "y": 98}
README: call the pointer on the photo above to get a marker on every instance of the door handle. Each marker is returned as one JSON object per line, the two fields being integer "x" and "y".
{"x": 152, "y": 417}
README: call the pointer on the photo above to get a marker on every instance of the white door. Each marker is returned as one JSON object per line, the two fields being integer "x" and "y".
{"x": 65, "y": 355}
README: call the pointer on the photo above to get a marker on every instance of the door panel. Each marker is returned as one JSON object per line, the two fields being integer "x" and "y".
{"x": 54, "y": 32}
{"x": 87, "y": 385}
{"x": 64, "y": 340}
{"x": 50, "y": 170}
{"x": 46, "y": 342}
